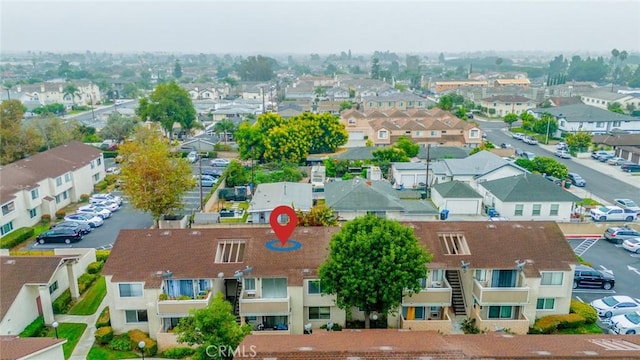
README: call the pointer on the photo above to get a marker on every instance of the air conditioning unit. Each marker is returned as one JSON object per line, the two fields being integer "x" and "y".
{"x": 437, "y": 284}
{"x": 250, "y": 293}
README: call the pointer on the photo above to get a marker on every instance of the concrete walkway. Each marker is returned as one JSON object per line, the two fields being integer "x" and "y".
{"x": 83, "y": 347}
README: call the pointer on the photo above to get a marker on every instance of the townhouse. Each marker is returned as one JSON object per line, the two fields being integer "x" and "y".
{"x": 501, "y": 105}
{"x": 47, "y": 182}
{"x": 472, "y": 274}
{"x": 591, "y": 119}
{"x": 17, "y": 348}
{"x": 54, "y": 92}
{"x": 423, "y": 127}
{"x": 442, "y": 86}
{"x": 602, "y": 98}
{"x": 395, "y": 101}
{"x": 522, "y": 83}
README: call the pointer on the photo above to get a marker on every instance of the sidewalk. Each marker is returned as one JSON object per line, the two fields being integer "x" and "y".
{"x": 85, "y": 343}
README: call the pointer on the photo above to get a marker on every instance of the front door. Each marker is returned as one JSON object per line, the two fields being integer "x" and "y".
{"x": 39, "y": 305}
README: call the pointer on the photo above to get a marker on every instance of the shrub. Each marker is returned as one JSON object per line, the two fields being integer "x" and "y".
{"x": 63, "y": 303}
{"x": 60, "y": 214}
{"x": 85, "y": 198}
{"x": 102, "y": 255}
{"x": 85, "y": 280}
{"x": 336, "y": 327}
{"x": 100, "y": 186}
{"x": 95, "y": 267}
{"x": 151, "y": 346}
{"x": 585, "y": 310}
{"x": 212, "y": 154}
{"x": 104, "y": 335}
{"x": 110, "y": 178}
{"x": 222, "y": 147}
{"x": 469, "y": 326}
{"x": 104, "y": 319}
{"x": 34, "y": 329}
{"x": 16, "y": 237}
{"x": 178, "y": 353}
{"x": 109, "y": 154}
{"x": 551, "y": 323}
{"x": 120, "y": 343}
{"x": 45, "y": 217}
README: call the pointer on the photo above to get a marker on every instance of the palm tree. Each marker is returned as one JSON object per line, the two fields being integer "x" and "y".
{"x": 71, "y": 91}
{"x": 224, "y": 126}
{"x": 623, "y": 55}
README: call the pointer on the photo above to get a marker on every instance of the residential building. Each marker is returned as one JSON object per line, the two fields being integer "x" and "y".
{"x": 626, "y": 146}
{"x": 457, "y": 197}
{"x": 443, "y": 86}
{"x": 499, "y": 286}
{"x": 395, "y": 101}
{"x": 528, "y": 196}
{"x": 602, "y": 98}
{"x": 523, "y": 83}
{"x": 501, "y": 105}
{"x": 31, "y": 283}
{"x": 54, "y": 92}
{"x": 206, "y": 91}
{"x": 33, "y": 348}
{"x": 582, "y": 117}
{"x": 271, "y": 195}
{"x": 423, "y": 127}
{"x": 47, "y": 182}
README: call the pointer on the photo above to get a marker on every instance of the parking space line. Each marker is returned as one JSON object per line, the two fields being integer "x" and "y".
{"x": 594, "y": 291}
{"x": 578, "y": 297}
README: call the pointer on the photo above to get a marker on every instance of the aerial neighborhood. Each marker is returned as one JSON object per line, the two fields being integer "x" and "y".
{"x": 338, "y": 206}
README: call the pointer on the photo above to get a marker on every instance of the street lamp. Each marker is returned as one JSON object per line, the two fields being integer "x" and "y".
{"x": 141, "y": 345}
{"x": 55, "y": 327}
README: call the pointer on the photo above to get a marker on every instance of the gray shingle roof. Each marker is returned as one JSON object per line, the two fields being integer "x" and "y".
{"x": 357, "y": 153}
{"x": 456, "y": 189}
{"x": 528, "y": 187}
{"x": 443, "y": 152}
{"x": 582, "y": 112}
{"x": 354, "y": 195}
{"x": 476, "y": 164}
{"x": 270, "y": 196}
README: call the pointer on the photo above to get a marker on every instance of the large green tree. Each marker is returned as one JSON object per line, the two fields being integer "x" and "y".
{"x": 372, "y": 264}
{"x": 224, "y": 127}
{"x": 579, "y": 141}
{"x": 72, "y": 92}
{"x": 324, "y": 132}
{"x": 156, "y": 179}
{"x": 510, "y": 118}
{"x": 16, "y": 142}
{"x": 52, "y": 130}
{"x": 119, "y": 127}
{"x": 168, "y": 104}
{"x": 409, "y": 148}
{"x": 256, "y": 68}
{"x": 212, "y": 330}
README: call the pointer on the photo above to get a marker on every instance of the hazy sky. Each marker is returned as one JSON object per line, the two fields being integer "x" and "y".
{"x": 319, "y": 26}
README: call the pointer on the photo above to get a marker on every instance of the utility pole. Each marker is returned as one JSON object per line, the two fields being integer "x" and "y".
{"x": 93, "y": 115}
{"x": 426, "y": 181}
{"x": 264, "y": 110}
{"x": 200, "y": 176}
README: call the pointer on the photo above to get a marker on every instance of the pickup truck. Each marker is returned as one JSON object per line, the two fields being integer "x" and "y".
{"x": 612, "y": 213}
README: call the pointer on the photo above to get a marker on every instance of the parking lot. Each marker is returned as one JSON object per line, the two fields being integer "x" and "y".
{"x": 192, "y": 199}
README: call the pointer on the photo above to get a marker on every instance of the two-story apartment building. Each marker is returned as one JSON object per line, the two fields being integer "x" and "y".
{"x": 523, "y": 83}
{"x": 501, "y": 105}
{"x": 602, "y": 98}
{"x": 54, "y": 92}
{"x": 582, "y": 117}
{"x": 395, "y": 101}
{"x": 423, "y": 127}
{"x": 472, "y": 274}
{"x": 442, "y": 86}
{"x": 46, "y": 182}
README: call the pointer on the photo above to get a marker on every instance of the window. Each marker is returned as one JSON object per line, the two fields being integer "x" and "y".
{"x": 481, "y": 275}
{"x": 319, "y": 313}
{"x": 314, "y": 287}
{"x": 8, "y": 208}
{"x": 230, "y": 251}
{"x": 536, "y": 210}
{"x": 92, "y": 164}
{"x": 250, "y": 284}
{"x": 130, "y": 290}
{"x": 418, "y": 133}
{"x": 500, "y": 312}
{"x": 616, "y": 124}
{"x": 454, "y": 244}
{"x": 600, "y": 124}
{"x": 53, "y": 287}
{"x": 67, "y": 177}
{"x": 352, "y": 121}
{"x": 274, "y": 288}
{"x": 519, "y": 210}
{"x": 135, "y": 316}
{"x": 59, "y": 181}
{"x": 371, "y": 104}
{"x": 33, "y": 213}
{"x": 382, "y": 134}
{"x": 546, "y": 304}
{"x": 96, "y": 177}
{"x": 474, "y": 134}
{"x": 65, "y": 194}
{"x": 58, "y": 199}
{"x": 504, "y": 278}
{"x": 6, "y": 228}
{"x": 433, "y": 133}
{"x": 99, "y": 161}
{"x": 413, "y": 312}
{"x": 554, "y": 209}
{"x": 551, "y": 278}
{"x": 34, "y": 194}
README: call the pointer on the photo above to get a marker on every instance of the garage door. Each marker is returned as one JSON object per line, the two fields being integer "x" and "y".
{"x": 356, "y": 135}
{"x": 463, "y": 207}
{"x": 407, "y": 181}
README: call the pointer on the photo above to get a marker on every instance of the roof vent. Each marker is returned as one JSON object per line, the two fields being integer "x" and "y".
{"x": 165, "y": 233}
{"x": 10, "y": 262}
{"x": 491, "y": 226}
{"x": 195, "y": 233}
{"x": 305, "y": 348}
{"x": 592, "y": 353}
{"x": 542, "y": 352}
{"x": 386, "y": 348}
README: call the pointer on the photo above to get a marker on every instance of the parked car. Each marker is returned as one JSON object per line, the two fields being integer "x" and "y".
{"x": 628, "y": 324}
{"x": 585, "y": 276}
{"x": 630, "y": 168}
{"x": 60, "y": 235}
{"x": 219, "y": 162}
{"x": 206, "y": 180}
{"x": 627, "y": 204}
{"x": 632, "y": 245}
{"x": 93, "y": 221}
{"x": 553, "y": 179}
{"x": 615, "y": 305}
{"x": 519, "y": 152}
{"x": 597, "y": 154}
{"x": 505, "y": 146}
{"x": 518, "y": 136}
{"x": 561, "y": 146}
{"x": 577, "y": 180}
{"x": 605, "y": 158}
{"x": 109, "y": 205}
{"x": 113, "y": 170}
{"x": 106, "y": 197}
{"x": 612, "y": 213}
{"x": 616, "y": 160}
{"x": 530, "y": 140}
{"x": 212, "y": 172}
{"x": 528, "y": 155}
{"x": 192, "y": 157}
{"x": 562, "y": 154}
{"x": 617, "y": 234}
{"x": 88, "y": 209}
{"x": 84, "y": 229}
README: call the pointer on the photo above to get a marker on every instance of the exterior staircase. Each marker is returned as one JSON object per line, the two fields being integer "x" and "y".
{"x": 457, "y": 299}
{"x": 236, "y": 302}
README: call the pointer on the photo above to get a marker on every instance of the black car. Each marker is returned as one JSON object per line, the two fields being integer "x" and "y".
{"x": 585, "y": 276}
{"x": 577, "y": 180}
{"x": 630, "y": 168}
{"x": 60, "y": 235}
{"x": 82, "y": 228}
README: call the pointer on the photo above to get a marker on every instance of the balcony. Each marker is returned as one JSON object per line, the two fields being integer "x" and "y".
{"x": 440, "y": 325}
{"x": 264, "y": 306}
{"x": 519, "y": 325}
{"x": 180, "y": 307}
{"x": 500, "y": 295}
{"x": 434, "y": 296}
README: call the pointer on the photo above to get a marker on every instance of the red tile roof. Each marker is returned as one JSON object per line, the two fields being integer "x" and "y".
{"x": 14, "y": 348}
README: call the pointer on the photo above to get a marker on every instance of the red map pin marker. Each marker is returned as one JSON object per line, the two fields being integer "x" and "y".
{"x": 283, "y": 231}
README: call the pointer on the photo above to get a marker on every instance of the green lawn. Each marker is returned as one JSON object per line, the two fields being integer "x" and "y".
{"x": 102, "y": 353}
{"x": 584, "y": 329}
{"x": 91, "y": 299}
{"x": 70, "y": 331}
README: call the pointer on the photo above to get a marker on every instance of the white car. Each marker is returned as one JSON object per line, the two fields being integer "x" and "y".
{"x": 627, "y": 204}
{"x": 103, "y": 213}
{"x": 93, "y": 221}
{"x": 106, "y": 197}
{"x": 563, "y": 154}
{"x": 192, "y": 157}
{"x": 632, "y": 245}
{"x": 113, "y": 170}
{"x": 518, "y": 136}
{"x": 109, "y": 205}
{"x": 615, "y": 305}
{"x": 219, "y": 162}
{"x": 628, "y": 324}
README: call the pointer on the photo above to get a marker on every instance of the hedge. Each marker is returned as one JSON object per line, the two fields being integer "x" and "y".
{"x": 104, "y": 319}
{"x": 585, "y": 310}
{"x": 120, "y": 343}
{"x": 104, "y": 335}
{"x": 551, "y": 323}
{"x": 85, "y": 280}
{"x": 150, "y": 347}
{"x": 16, "y": 237}
{"x": 95, "y": 267}
{"x": 178, "y": 353}
{"x": 34, "y": 329}
{"x": 60, "y": 214}
{"x": 102, "y": 255}
{"x": 63, "y": 303}
{"x": 109, "y": 154}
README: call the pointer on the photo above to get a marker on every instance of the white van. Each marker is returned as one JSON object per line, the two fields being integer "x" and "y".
{"x": 528, "y": 155}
